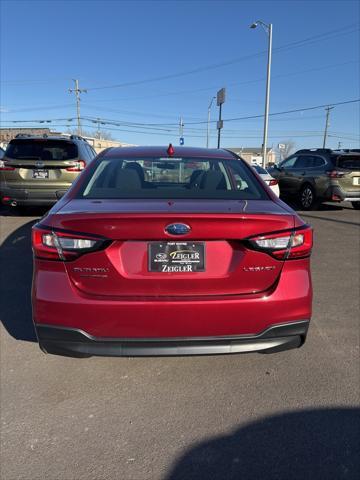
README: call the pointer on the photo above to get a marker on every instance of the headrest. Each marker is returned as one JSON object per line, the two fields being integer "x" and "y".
{"x": 213, "y": 180}
{"x": 127, "y": 179}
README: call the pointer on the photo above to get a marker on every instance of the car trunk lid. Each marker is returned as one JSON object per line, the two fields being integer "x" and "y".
{"x": 350, "y": 166}
{"x": 217, "y": 229}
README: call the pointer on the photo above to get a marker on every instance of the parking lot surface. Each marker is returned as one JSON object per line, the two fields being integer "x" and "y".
{"x": 289, "y": 415}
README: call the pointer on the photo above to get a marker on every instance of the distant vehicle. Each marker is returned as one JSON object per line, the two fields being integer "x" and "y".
{"x": 193, "y": 256}
{"x": 268, "y": 179}
{"x": 37, "y": 170}
{"x": 312, "y": 176}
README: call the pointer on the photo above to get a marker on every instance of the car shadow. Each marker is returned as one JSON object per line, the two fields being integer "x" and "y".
{"x": 15, "y": 284}
{"x": 327, "y": 219}
{"x": 309, "y": 444}
{"x": 7, "y": 211}
{"x": 323, "y": 207}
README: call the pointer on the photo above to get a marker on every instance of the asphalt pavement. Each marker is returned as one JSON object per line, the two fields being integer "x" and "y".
{"x": 292, "y": 415}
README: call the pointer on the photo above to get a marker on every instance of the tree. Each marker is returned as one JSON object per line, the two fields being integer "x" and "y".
{"x": 104, "y": 134}
{"x": 289, "y": 148}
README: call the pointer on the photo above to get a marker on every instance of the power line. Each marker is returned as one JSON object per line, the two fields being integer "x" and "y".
{"x": 229, "y": 137}
{"x": 32, "y": 109}
{"x": 214, "y": 87}
{"x": 299, "y": 43}
{"x": 249, "y": 117}
{"x": 136, "y": 124}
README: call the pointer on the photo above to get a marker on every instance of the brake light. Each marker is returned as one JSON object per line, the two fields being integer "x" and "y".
{"x": 170, "y": 151}
{"x": 4, "y": 166}
{"x": 335, "y": 173}
{"x": 56, "y": 245}
{"x": 78, "y": 167}
{"x": 286, "y": 245}
{"x": 272, "y": 182}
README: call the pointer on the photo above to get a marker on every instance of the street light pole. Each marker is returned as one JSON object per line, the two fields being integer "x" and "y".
{"x": 208, "y": 122}
{"x": 268, "y": 30}
{"x": 267, "y": 99}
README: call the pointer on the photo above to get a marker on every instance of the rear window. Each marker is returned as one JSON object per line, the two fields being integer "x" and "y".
{"x": 171, "y": 178}
{"x": 349, "y": 162}
{"x": 41, "y": 149}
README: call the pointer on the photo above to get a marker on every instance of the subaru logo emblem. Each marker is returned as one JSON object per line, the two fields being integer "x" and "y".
{"x": 177, "y": 229}
{"x": 39, "y": 164}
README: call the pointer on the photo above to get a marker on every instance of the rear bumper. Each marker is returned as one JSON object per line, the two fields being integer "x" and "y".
{"x": 35, "y": 197}
{"x": 342, "y": 195}
{"x": 57, "y": 303}
{"x": 77, "y": 343}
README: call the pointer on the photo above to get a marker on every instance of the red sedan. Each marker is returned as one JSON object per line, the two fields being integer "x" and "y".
{"x": 163, "y": 251}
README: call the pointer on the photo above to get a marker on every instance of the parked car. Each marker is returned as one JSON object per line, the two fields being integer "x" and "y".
{"x": 177, "y": 260}
{"x": 37, "y": 170}
{"x": 317, "y": 175}
{"x": 2, "y": 151}
{"x": 268, "y": 179}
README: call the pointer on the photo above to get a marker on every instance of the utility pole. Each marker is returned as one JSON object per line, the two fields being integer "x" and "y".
{"x": 339, "y": 145}
{"x": 77, "y": 92}
{"x": 98, "y": 128}
{"x": 326, "y": 124}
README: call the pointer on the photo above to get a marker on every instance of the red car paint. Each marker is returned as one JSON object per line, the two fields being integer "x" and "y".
{"x": 110, "y": 293}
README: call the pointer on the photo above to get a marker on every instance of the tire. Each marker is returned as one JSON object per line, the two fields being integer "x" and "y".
{"x": 356, "y": 205}
{"x": 307, "y": 198}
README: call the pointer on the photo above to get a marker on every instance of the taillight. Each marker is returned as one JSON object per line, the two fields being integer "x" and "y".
{"x": 56, "y": 245}
{"x": 286, "y": 245}
{"x": 272, "y": 182}
{"x": 78, "y": 167}
{"x": 4, "y": 166}
{"x": 335, "y": 173}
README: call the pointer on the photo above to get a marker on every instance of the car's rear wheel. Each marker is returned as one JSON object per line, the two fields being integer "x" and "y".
{"x": 307, "y": 198}
{"x": 356, "y": 205}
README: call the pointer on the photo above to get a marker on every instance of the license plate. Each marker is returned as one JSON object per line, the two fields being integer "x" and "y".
{"x": 40, "y": 173}
{"x": 176, "y": 257}
{"x": 356, "y": 180}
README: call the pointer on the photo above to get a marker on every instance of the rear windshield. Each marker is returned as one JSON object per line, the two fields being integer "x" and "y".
{"x": 42, "y": 149}
{"x": 349, "y": 162}
{"x": 172, "y": 178}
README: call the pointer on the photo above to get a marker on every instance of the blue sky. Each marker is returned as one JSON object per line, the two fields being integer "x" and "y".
{"x": 45, "y": 44}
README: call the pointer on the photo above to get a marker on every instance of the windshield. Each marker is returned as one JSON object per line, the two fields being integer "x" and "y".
{"x": 42, "y": 149}
{"x": 171, "y": 178}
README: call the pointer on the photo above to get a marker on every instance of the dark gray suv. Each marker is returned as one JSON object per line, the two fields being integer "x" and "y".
{"x": 313, "y": 176}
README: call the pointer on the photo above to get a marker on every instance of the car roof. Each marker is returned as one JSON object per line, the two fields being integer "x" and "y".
{"x": 72, "y": 138}
{"x": 161, "y": 151}
{"x": 327, "y": 152}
